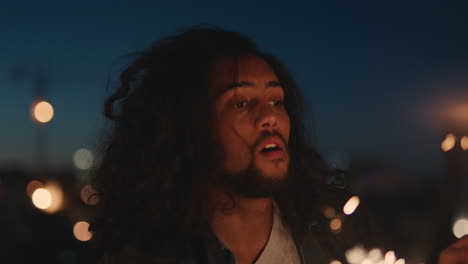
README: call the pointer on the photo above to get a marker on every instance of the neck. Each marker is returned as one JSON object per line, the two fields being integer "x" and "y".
{"x": 244, "y": 227}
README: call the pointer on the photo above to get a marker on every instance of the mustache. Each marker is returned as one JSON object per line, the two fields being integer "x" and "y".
{"x": 266, "y": 134}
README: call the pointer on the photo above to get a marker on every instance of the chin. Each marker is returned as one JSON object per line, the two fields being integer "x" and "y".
{"x": 279, "y": 170}
{"x": 262, "y": 180}
{"x": 274, "y": 173}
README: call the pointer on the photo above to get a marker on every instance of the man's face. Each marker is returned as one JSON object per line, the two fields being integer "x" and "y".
{"x": 251, "y": 125}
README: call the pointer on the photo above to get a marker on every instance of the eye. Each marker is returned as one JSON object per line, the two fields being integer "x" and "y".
{"x": 277, "y": 102}
{"x": 240, "y": 104}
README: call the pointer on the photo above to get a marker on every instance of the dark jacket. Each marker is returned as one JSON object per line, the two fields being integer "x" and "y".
{"x": 319, "y": 244}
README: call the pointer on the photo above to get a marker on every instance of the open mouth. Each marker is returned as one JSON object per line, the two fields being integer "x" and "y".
{"x": 272, "y": 151}
{"x": 270, "y": 148}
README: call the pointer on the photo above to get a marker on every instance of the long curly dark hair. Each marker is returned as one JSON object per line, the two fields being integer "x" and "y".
{"x": 160, "y": 156}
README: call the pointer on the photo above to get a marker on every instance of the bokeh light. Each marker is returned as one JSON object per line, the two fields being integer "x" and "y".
{"x": 57, "y": 197}
{"x": 400, "y": 261}
{"x": 334, "y": 261}
{"x": 42, "y": 198}
{"x": 42, "y": 112}
{"x": 88, "y": 195}
{"x": 32, "y": 186}
{"x": 448, "y": 143}
{"x": 460, "y": 227}
{"x": 464, "y": 143}
{"x": 356, "y": 255}
{"x": 359, "y": 255}
{"x": 81, "y": 231}
{"x": 335, "y": 224}
{"x": 83, "y": 159}
{"x": 390, "y": 257}
{"x": 351, "y": 205}
{"x": 329, "y": 212}
{"x": 375, "y": 255}
{"x": 48, "y": 198}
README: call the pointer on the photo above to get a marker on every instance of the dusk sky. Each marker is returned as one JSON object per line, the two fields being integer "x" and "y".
{"x": 375, "y": 75}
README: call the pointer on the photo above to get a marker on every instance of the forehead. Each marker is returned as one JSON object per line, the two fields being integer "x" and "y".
{"x": 246, "y": 68}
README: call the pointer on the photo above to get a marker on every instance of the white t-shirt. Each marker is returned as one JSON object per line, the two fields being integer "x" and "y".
{"x": 280, "y": 248}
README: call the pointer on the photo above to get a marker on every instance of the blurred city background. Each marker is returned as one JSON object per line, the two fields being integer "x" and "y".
{"x": 386, "y": 87}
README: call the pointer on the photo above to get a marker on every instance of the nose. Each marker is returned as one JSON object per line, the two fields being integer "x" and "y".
{"x": 266, "y": 119}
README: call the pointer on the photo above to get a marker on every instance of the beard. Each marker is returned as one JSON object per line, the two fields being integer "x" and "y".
{"x": 252, "y": 183}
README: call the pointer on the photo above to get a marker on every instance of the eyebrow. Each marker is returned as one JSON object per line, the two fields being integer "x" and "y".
{"x": 242, "y": 84}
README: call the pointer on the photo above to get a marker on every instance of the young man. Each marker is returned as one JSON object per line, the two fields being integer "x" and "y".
{"x": 208, "y": 162}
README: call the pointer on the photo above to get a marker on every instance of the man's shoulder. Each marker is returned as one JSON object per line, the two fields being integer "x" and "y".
{"x": 343, "y": 221}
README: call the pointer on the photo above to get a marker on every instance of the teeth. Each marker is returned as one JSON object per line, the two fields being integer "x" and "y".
{"x": 270, "y": 146}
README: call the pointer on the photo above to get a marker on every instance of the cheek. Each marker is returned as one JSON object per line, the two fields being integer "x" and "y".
{"x": 236, "y": 154}
{"x": 238, "y": 136}
{"x": 231, "y": 136}
{"x": 286, "y": 127}
{"x": 237, "y": 141}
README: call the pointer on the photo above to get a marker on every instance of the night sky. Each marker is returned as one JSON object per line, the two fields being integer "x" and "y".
{"x": 375, "y": 75}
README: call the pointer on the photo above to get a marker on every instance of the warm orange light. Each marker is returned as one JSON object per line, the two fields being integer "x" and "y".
{"x": 448, "y": 143}
{"x": 464, "y": 143}
{"x": 390, "y": 257}
{"x": 375, "y": 255}
{"x": 335, "y": 224}
{"x": 42, "y": 198}
{"x": 43, "y": 112}
{"x": 334, "y": 261}
{"x": 57, "y": 197}
{"x": 329, "y": 212}
{"x": 351, "y": 205}
{"x": 356, "y": 254}
{"x": 400, "y": 261}
{"x": 88, "y": 195}
{"x": 48, "y": 198}
{"x": 32, "y": 186}
{"x": 359, "y": 255}
{"x": 459, "y": 113}
{"x": 81, "y": 232}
